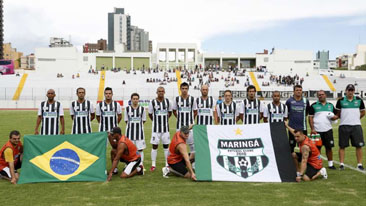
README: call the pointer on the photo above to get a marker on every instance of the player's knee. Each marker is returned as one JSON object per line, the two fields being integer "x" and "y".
{"x": 113, "y": 151}
{"x": 155, "y": 146}
{"x": 187, "y": 175}
{"x": 124, "y": 175}
{"x": 294, "y": 155}
{"x": 165, "y": 146}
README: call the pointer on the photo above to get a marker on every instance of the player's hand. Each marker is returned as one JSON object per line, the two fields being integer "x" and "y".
{"x": 191, "y": 126}
{"x": 36, "y": 132}
{"x": 193, "y": 177}
{"x": 109, "y": 176}
{"x": 298, "y": 179}
{"x": 13, "y": 181}
{"x": 62, "y": 132}
{"x": 313, "y": 132}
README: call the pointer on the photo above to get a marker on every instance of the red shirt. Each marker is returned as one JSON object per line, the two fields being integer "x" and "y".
{"x": 130, "y": 154}
{"x": 314, "y": 158}
{"x": 174, "y": 156}
{"x": 17, "y": 150}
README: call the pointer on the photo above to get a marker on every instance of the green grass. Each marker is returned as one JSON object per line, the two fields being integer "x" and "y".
{"x": 342, "y": 187}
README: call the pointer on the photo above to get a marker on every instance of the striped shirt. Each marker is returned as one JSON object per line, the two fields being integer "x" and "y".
{"x": 251, "y": 110}
{"x": 81, "y": 112}
{"x": 108, "y": 115}
{"x": 275, "y": 113}
{"x": 135, "y": 119}
{"x": 50, "y": 114}
{"x": 205, "y": 110}
{"x": 160, "y": 112}
{"x": 227, "y": 113}
{"x": 184, "y": 108}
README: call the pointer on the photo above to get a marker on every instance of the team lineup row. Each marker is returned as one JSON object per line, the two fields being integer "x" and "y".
{"x": 206, "y": 111}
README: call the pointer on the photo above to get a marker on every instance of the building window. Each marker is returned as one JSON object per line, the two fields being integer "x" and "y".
{"x": 85, "y": 59}
{"x": 265, "y": 59}
{"x": 302, "y": 61}
{"x": 47, "y": 59}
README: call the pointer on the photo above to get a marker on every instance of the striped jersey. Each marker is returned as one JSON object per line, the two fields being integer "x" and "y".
{"x": 50, "y": 114}
{"x": 160, "y": 112}
{"x": 135, "y": 119}
{"x": 275, "y": 113}
{"x": 108, "y": 115}
{"x": 251, "y": 110}
{"x": 227, "y": 113}
{"x": 184, "y": 108}
{"x": 205, "y": 110}
{"x": 81, "y": 112}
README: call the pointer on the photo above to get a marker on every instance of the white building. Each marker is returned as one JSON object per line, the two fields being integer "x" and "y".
{"x": 172, "y": 55}
{"x": 119, "y": 25}
{"x": 359, "y": 58}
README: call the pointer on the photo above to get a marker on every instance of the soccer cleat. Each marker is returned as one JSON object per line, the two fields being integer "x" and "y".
{"x": 332, "y": 167}
{"x": 152, "y": 168}
{"x": 141, "y": 172}
{"x": 360, "y": 167}
{"x": 341, "y": 167}
{"x": 115, "y": 171}
{"x": 323, "y": 172}
{"x": 165, "y": 172}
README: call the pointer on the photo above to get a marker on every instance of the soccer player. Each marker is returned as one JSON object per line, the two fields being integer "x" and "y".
{"x": 109, "y": 113}
{"x": 205, "y": 107}
{"x": 11, "y": 155}
{"x": 350, "y": 109}
{"x": 135, "y": 118}
{"x": 50, "y": 112}
{"x": 160, "y": 110}
{"x": 275, "y": 111}
{"x": 298, "y": 108}
{"x": 125, "y": 151}
{"x": 308, "y": 163}
{"x": 227, "y": 112}
{"x": 82, "y": 113}
{"x": 251, "y": 108}
{"x": 185, "y": 110}
{"x": 321, "y": 115}
{"x": 178, "y": 159}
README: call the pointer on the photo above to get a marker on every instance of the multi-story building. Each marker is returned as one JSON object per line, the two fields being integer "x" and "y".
{"x": 101, "y": 45}
{"x": 119, "y": 25}
{"x": 12, "y": 54}
{"x": 27, "y": 62}
{"x": 59, "y": 42}
{"x": 352, "y": 61}
{"x": 139, "y": 40}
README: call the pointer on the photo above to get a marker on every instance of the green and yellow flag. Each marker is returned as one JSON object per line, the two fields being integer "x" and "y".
{"x": 60, "y": 158}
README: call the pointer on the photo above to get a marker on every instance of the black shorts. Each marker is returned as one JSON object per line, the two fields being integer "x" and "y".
{"x": 17, "y": 166}
{"x": 354, "y": 133}
{"x": 180, "y": 167}
{"x": 327, "y": 139}
{"x": 292, "y": 141}
{"x": 131, "y": 166}
{"x": 310, "y": 170}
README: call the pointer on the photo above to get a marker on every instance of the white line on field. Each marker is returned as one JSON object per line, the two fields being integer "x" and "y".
{"x": 348, "y": 166}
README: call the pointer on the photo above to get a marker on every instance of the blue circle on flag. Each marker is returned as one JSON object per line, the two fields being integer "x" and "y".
{"x": 65, "y": 162}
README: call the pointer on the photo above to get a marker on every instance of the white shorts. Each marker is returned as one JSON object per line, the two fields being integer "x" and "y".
{"x": 157, "y": 137}
{"x": 140, "y": 144}
{"x": 6, "y": 170}
{"x": 131, "y": 166}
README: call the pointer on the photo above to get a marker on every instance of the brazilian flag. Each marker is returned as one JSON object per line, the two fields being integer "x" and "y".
{"x": 61, "y": 158}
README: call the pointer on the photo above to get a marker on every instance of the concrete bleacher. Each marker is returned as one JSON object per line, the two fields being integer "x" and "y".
{"x": 37, "y": 84}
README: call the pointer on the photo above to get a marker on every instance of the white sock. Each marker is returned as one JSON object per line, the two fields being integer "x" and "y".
{"x": 359, "y": 164}
{"x": 154, "y": 153}
{"x": 298, "y": 174}
{"x": 142, "y": 158}
{"x": 330, "y": 163}
{"x": 166, "y": 153}
{"x": 341, "y": 163}
{"x": 138, "y": 169}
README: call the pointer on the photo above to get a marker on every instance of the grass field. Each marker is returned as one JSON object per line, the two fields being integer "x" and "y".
{"x": 346, "y": 187}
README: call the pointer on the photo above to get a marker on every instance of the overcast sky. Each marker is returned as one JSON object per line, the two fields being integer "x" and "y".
{"x": 216, "y": 25}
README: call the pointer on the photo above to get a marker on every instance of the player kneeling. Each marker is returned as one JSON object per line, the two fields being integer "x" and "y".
{"x": 178, "y": 159}
{"x": 308, "y": 163}
{"x": 124, "y": 150}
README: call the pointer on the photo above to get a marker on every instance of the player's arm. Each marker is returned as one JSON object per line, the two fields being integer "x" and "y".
{"x": 217, "y": 116}
{"x": 182, "y": 148}
{"x": 362, "y": 109}
{"x": 120, "y": 149}
{"x": 8, "y": 154}
{"x": 39, "y": 119}
{"x": 71, "y": 112}
{"x": 62, "y": 121}
{"x": 362, "y": 113}
{"x": 119, "y": 117}
{"x": 265, "y": 115}
{"x": 311, "y": 123}
{"x": 175, "y": 112}
{"x": 92, "y": 116}
{"x": 289, "y": 128}
{"x": 305, "y": 152}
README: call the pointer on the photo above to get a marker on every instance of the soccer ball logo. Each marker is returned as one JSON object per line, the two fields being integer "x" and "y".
{"x": 243, "y": 163}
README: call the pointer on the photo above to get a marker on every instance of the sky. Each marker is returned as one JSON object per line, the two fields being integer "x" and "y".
{"x": 230, "y": 26}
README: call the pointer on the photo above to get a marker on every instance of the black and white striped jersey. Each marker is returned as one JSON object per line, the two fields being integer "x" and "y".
{"x": 275, "y": 113}
{"x": 50, "y": 114}
{"x": 251, "y": 110}
{"x": 135, "y": 119}
{"x": 184, "y": 108}
{"x": 108, "y": 115}
{"x": 205, "y": 110}
{"x": 227, "y": 113}
{"x": 160, "y": 112}
{"x": 81, "y": 112}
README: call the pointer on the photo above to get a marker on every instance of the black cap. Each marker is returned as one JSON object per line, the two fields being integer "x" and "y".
{"x": 116, "y": 130}
{"x": 184, "y": 129}
{"x": 350, "y": 87}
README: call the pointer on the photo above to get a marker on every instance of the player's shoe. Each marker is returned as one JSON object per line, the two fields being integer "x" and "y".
{"x": 332, "y": 167}
{"x": 115, "y": 171}
{"x": 152, "y": 168}
{"x": 166, "y": 172}
{"x": 360, "y": 167}
{"x": 341, "y": 167}
{"x": 141, "y": 172}
{"x": 323, "y": 172}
